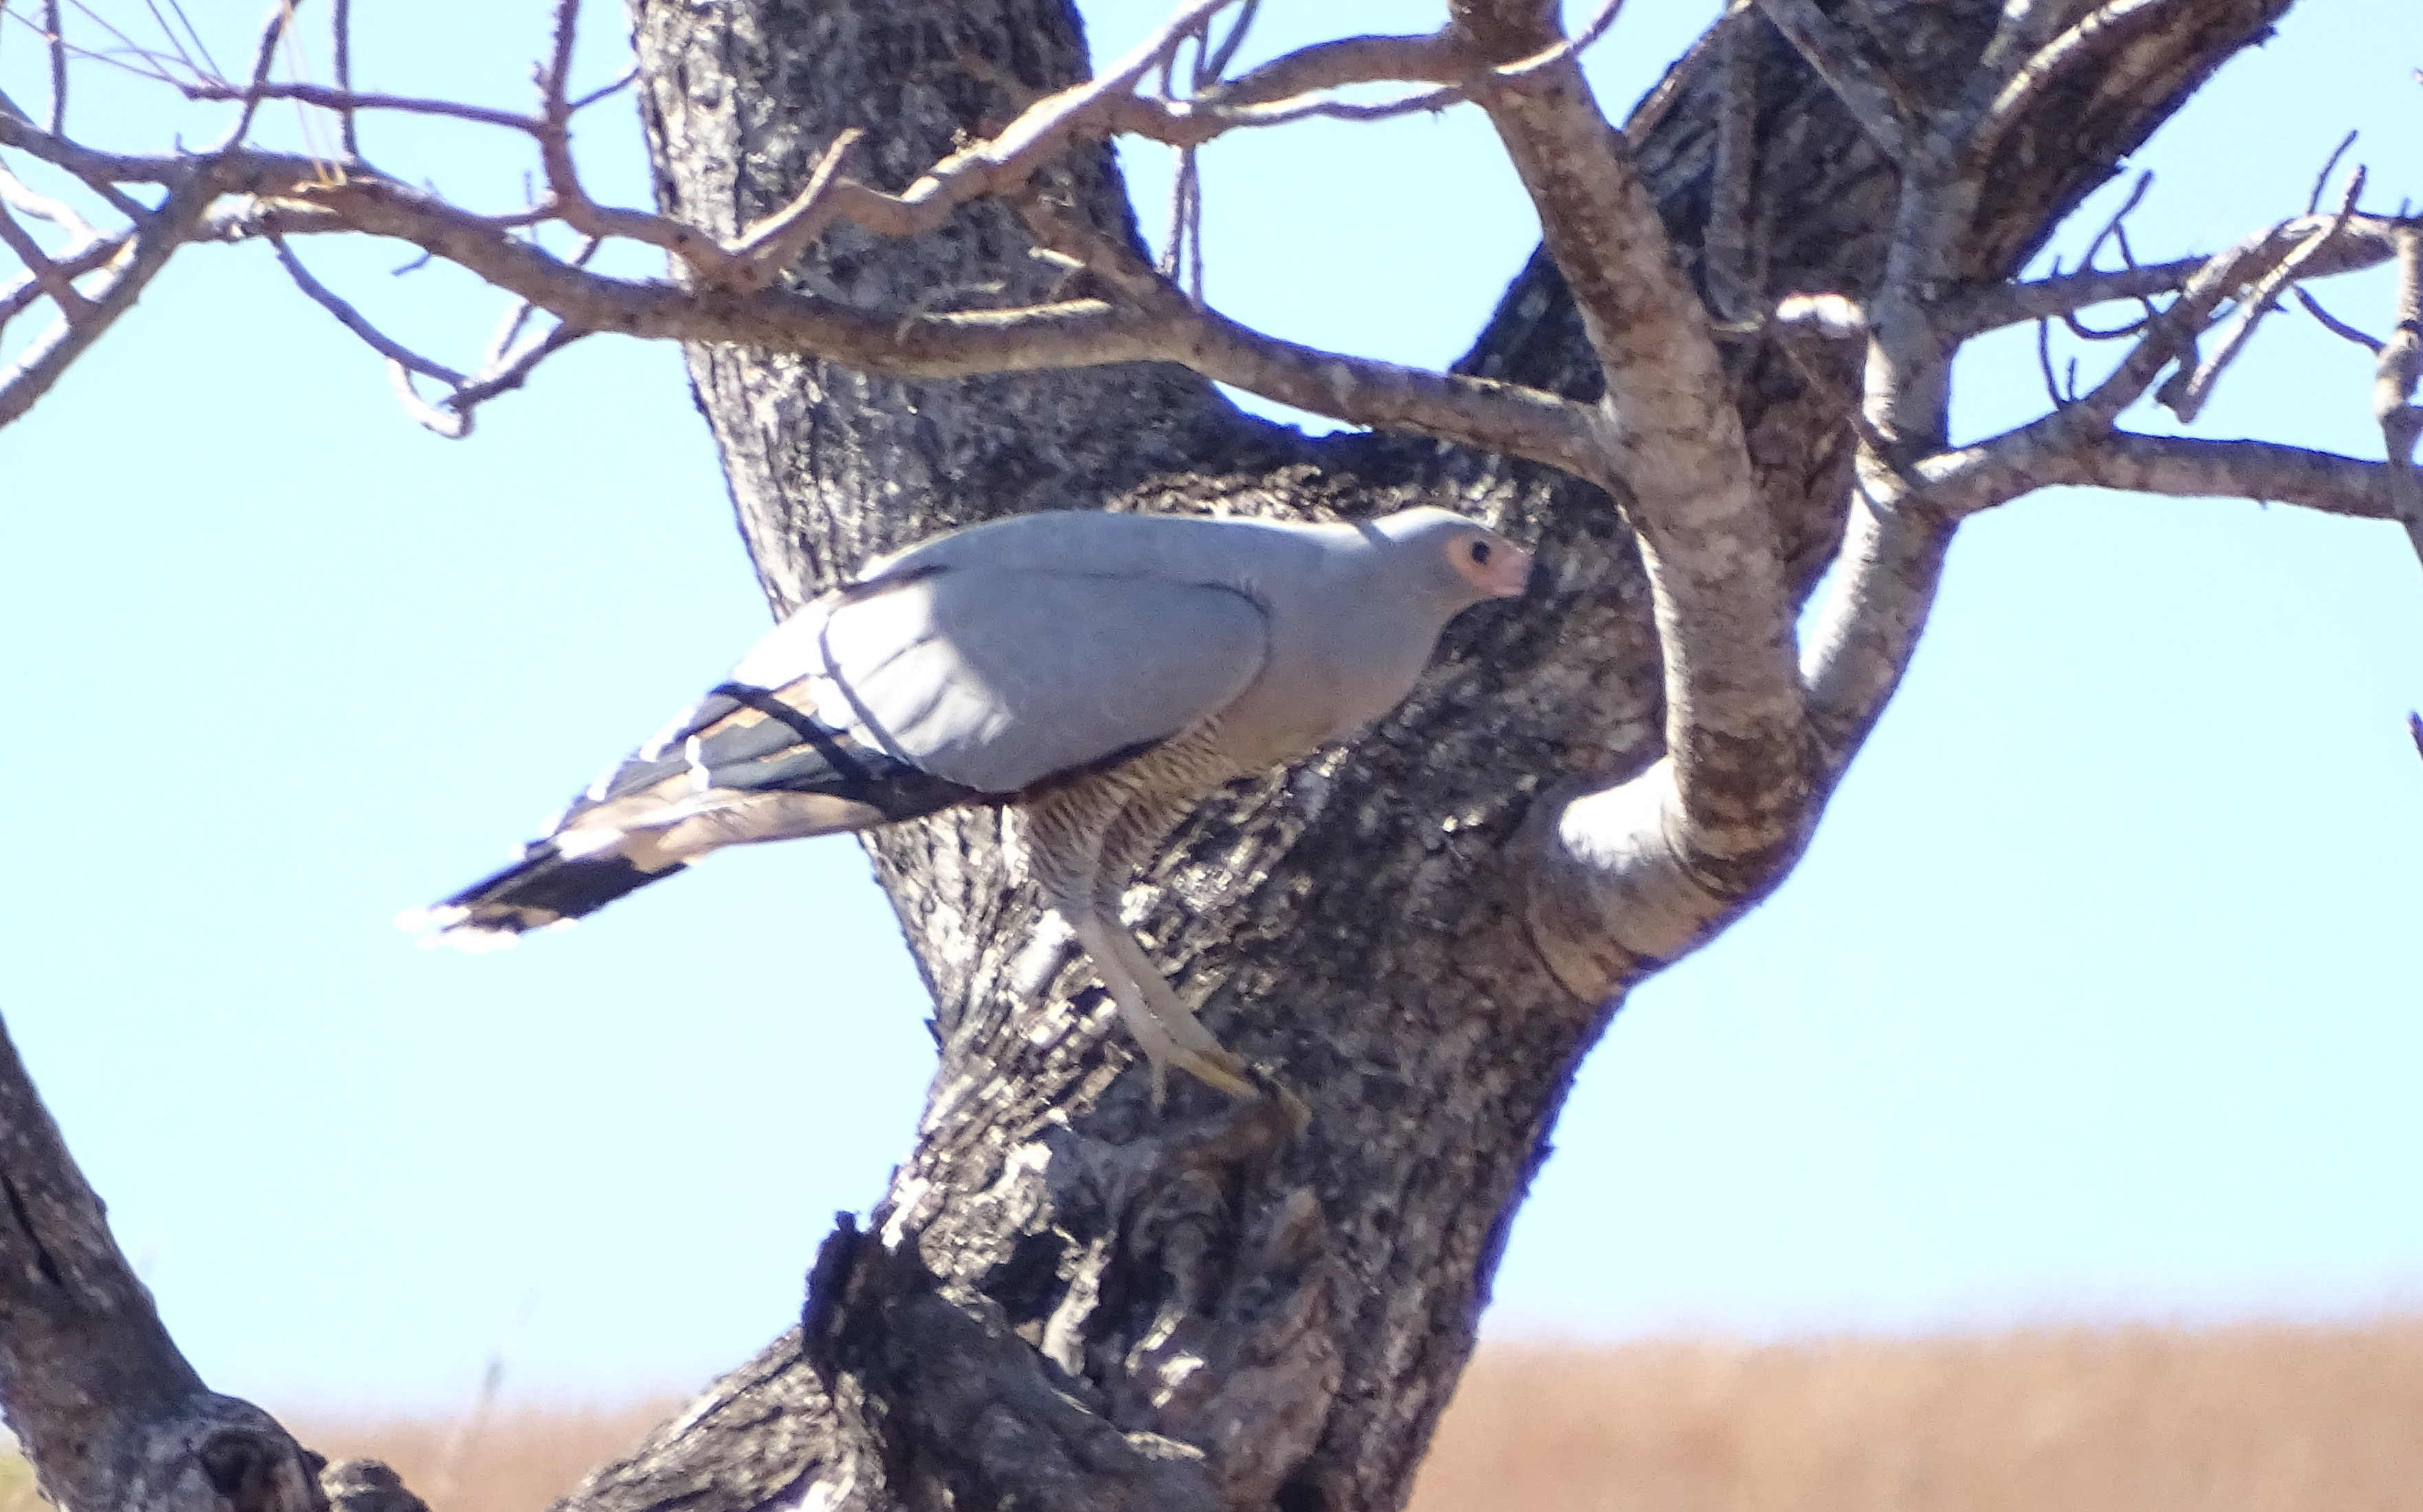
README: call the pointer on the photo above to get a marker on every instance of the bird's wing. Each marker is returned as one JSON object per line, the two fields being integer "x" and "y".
{"x": 965, "y": 681}
{"x": 998, "y": 678}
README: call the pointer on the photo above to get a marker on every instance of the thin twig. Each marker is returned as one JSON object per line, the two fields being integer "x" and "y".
{"x": 201, "y": 48}
{"x": 345, "y": 103}
{"x": 52, "y": 278}
{"x": 509, "y": 330}
{"x": 783, "y": 238}
{"x": 2335, "y": 325}
{"x": 1595, "y": 28}
{"x": 353, "y": 319}
{"x": 624, "y": 80}
{"x": 16, "y": 193}
{"x": 29, "y": 290}
{"x": 2115, "y": 224}
{"x": 565, "y": 197}
{"x": 2175, "y": 333}
{"x": 2323, "y": 180}
{"x": 447, "y": 423}
{"x": 56, "y": 33}
{"x": 2187, "y": 390}
{"x": 2364, "y": 242}
{"x": 515, "y": 373}
{"x": 2044, "y": 365}
{"x": 340, "y": 29}
{"x": 1208, "y": 70}
{"x": 1324, "y": 65}
{"x": 174, "y": 40}
{"x": 137, "y": 259}
{"x": 280, "y": 12}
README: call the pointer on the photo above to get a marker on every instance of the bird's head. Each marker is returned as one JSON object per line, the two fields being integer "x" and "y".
{"x": 1467, "y": 562}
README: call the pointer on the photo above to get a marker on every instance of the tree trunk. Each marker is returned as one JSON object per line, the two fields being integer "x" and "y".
{"x": 1068, "y": 1300}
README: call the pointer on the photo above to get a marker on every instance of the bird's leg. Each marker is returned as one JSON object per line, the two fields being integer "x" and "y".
{"x": 1245, "y": 1081}
{"x": 1169, "y": 1010}
{"x": 1163, "y": 1029}
{"x": 1087, "y": 840}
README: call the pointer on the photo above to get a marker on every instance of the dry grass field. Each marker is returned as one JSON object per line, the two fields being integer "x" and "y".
{"x": 2249, "y": 1419}
{"x": 2130, "y": 1420}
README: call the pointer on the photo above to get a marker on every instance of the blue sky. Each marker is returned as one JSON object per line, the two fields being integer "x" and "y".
{"x": 2096, "y": 995}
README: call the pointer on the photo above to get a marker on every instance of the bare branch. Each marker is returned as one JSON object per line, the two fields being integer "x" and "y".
{"x": 2063, "y": 293}
{"x": 18, "y": 196}
{"x": 73, "y": 307}
{"x": 1866, "y": 91}
{"x": 1207, "y": 69}
{"x": 99, "y": 1395}
{"x": 1867, "y": 626}
{"x": 345, "y": 103}
{"x": 1435, "y": 58}
{"x": 512, "y": 375}
{"x": 1970, "y": 479}
{"x": 57, "y": 35}
{"x": 2363, "y": 243}
{"x": 1524, "y": 422}
{"x": 621, "y": 82}
{"x": 2335, "y": 325}
{"x": 352, "y": 320}
{"x": 1190, "y": 123}
{"x": 264, "y": 53}
{"x": 567, "y": 198}
{"x": 176, "y": 43}
{"x": 2115, "y": 228}
{"x": 74, "y": 263}
{"x": 2393, "y": 390}
{"x": 1673, "y": 441}
{"x": 452, "y": 426}
{"x": 509, "y": 330}
{"x": 341, "y": 27}
{"x": 1973, "y": 141}
{"x": 2323, "y": 180}
{"x": 783, "y": 238}
{"x": 2187, "y": 391}
{"x": 1076, "y": 333}
{"x": 2195, "y": 467}
{"x": 2173, "y": 334}
{"x": 135, "y": 261}
{"x": 2060, "y": 398}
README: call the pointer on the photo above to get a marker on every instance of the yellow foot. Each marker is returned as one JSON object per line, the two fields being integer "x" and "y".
{"x": 1214, "y": 1067}
{"x": 1226, "y": 1071}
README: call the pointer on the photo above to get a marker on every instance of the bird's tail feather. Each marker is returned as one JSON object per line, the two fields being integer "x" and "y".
{"x": 544, "y": 889}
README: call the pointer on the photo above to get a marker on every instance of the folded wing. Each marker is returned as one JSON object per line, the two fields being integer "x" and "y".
{"x": 891, "y": 698}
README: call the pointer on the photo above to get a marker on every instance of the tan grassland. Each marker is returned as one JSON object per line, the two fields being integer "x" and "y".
{"x": 2246, "y": 1418}
{"x": 2138, "y": 1419}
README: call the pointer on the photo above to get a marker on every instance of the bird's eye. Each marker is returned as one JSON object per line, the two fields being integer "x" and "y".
{"x": 1480, "y": 550}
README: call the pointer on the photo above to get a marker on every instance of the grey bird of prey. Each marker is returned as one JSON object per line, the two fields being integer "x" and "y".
{"x": 1103, "y": 673}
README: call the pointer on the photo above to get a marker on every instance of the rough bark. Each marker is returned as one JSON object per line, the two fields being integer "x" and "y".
{"x": 1068, "y": 1300}
{"x": 98, "y": 1394}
